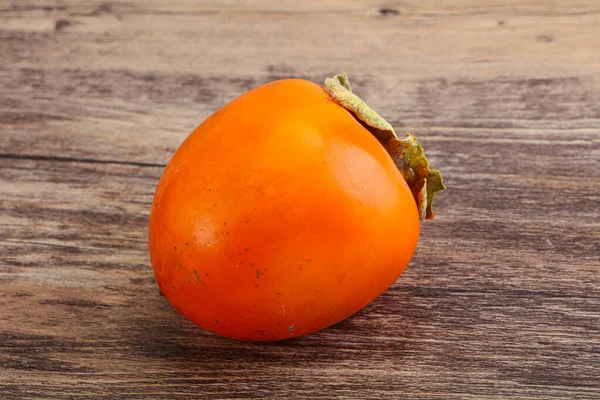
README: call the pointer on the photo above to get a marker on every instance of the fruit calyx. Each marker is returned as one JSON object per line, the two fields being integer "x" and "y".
{"x": 407, "y": 153}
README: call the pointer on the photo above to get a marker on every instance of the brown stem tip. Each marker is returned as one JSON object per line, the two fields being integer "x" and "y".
{"x": 407, "y": 153}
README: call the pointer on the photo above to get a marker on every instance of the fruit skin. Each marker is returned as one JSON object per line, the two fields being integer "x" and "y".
{"x": 278, "y": 216}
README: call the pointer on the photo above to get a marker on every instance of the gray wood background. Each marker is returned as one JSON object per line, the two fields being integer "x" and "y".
{"x": 502, "y": 299}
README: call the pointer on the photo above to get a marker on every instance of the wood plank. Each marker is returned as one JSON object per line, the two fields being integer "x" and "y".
{"x": 502, "y": 297}
{"x": 514, "y": 315}
{"x": 144, "y": 76}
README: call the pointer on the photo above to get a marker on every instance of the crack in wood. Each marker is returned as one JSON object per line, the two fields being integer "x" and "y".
{"x": 33, "y": 157}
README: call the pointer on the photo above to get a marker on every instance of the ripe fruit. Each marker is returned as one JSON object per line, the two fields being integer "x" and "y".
{"x": 282, "y": 214}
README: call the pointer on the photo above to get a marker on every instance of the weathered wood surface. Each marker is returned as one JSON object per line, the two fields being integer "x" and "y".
{"x": 502, "y": 299}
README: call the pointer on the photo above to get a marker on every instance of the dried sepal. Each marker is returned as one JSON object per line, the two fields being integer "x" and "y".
{"x": 407, "y": 153}
{"x": 340, "y": 90}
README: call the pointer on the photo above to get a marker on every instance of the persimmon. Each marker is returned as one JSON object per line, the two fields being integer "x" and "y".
{"x": 286, "y": 211}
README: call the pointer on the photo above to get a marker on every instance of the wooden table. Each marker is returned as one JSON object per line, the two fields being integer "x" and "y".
{"x": 502, "y": 298}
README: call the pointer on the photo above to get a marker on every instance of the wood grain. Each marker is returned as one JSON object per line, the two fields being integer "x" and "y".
{"x": 502, "y": 298}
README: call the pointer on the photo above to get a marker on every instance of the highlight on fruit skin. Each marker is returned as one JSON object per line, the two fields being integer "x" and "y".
{"x": 287, "y": 210}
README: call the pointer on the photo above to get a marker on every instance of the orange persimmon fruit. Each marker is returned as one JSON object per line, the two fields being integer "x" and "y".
{"x": 286, "y": 211}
